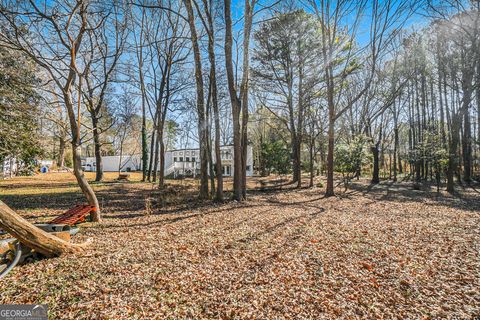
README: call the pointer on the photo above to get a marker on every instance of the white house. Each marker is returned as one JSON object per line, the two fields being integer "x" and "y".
{"x": 177, "y": 162}
{"x": 111, "y": 163}
{"x": 187, "y": 161}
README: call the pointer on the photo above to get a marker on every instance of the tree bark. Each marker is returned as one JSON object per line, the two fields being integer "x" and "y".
{"x": 97, "y": 146}
{"x": 467, "y": 77}
{"x": 155, "y": 157}
{"x": 331, "y": 140}
{"x": 467, "y": 147}
{"x": 376, "y": 164}
{"x": 395, "y": 140}
{"x": 77, "y": 162}
{"x": 244, "y": 87}
{"x": 202, "y": 136}
{"x": 311, "y": 153}
{"x": 236, "y": 107}
{"x": 216, "y": 113}
{"x": 61, "y": 151}
{"x": 161, "y": 176}
{"x": 152, "y": 150}
{"x": 33, "y": 237}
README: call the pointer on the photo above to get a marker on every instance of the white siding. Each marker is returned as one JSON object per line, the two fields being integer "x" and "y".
{"x": 134, "y": 162}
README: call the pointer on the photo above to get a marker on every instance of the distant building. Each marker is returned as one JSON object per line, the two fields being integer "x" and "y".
{"x": 8, "y": 167}
{"x": 112, "y": 163}
{"x": 180, "y": 162}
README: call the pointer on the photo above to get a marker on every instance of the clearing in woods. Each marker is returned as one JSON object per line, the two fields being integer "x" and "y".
{"x": 291, "y": 254}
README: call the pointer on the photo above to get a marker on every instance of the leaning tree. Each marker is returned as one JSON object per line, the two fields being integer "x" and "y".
{"x": 52, "y": 34}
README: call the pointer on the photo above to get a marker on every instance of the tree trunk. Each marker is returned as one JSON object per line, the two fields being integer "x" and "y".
{"x": 152, "y": 150}
{"x": 247, "y": 28}
{"x": 395, "y": 151}
{"x": 400, "y": 167}
{"x": 202, "y": 137}
{"x": 33, "y": 237}
{"x": 295, "y": 158}
{"x": 452, "y": 154}
{"x": 299, "y": 162}
{"x": 216, "y": 115}
{"x": 83, "y": 183}
{"x": 376, "y": 164}
{"x": 144, "y": 142}
{"x": 61, "y": 152}
{"x": 97, "y": 147}
{"x": 161, "y": 173}
{"x": 77, "y": 162}
{"x": 467, "y": 89}
{"x": 312, "y": 174}
{"x": 155, "y": 157}
{"x": 442, "y": 113}
{"x": 467, "y": 148}
{"x": 331, "y": 131}
{"x": 236, "y": 107}
{"x": 211, "y": 169}
{"x": 299, "y": 133}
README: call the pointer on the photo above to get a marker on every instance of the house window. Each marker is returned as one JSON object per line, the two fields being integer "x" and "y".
{"x": 181, "y": 159}
{"x": 248, "y": 168}
{"x": 174, "y": 159}
{"x": 187, "y": 159}
{"x": 193, "y": 159}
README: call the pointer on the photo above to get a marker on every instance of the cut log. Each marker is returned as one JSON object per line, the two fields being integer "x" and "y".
{"x": 33, "y": 237}
{"x": 123, "y": 176}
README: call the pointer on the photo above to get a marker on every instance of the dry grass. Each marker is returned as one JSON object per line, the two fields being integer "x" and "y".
{"x": 386, "y": 252}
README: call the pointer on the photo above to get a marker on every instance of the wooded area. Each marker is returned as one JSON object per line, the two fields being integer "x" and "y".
{"x": 115, "y": 76}
{"x": 316, "y": 99}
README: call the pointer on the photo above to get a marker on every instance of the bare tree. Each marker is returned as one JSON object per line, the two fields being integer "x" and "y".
{"x": 202, "y": 123}
{"x": 54, "y": 41}
{"x": 239, "y": 98}
{"x": 386, "y": 18}
{"x": 208, "y": 22}
{"x": 104, "y": 52}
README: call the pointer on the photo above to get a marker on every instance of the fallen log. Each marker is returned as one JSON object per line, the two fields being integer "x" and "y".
{"x": 34, "y": 237}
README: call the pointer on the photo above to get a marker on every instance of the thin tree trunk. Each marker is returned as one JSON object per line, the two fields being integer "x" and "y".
{"x": 152, "y": 150}
{"x": 209, "y": 142}
{"x": 467, "y": 147}
{"x": 216, "y": 114}
{"x": 312, "y": 174}
{"x": 61, "y": 151}
{"x": 376, "y": 165}
{"x": 155, "y": 157}
{"x": 161, "y": 173}
{"x": 467, "y": 77}
{"x": 236, "y": 107}
{"x": 331, "y": 132}
{"x": 97, "y": 147}
{"x": 244, "y": 87}
{"x": 203, "y": 194}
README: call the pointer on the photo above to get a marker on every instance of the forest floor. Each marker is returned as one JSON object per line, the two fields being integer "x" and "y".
{"x": 386, "y": 251}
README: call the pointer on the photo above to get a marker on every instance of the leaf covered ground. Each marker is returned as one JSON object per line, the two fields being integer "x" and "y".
{"x": 382, "y": 252}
